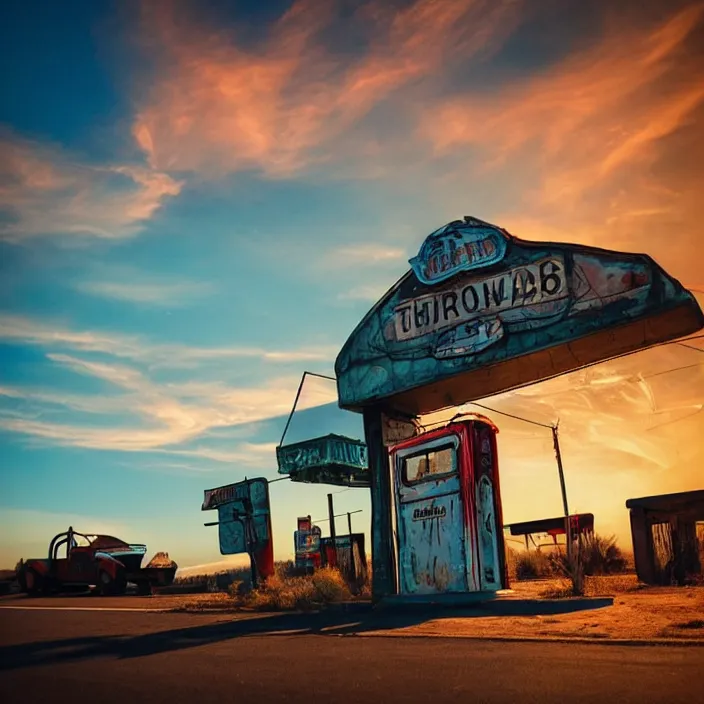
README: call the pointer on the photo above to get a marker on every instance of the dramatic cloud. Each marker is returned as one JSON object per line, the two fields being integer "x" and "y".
{"x": 161, "y": 417}
{"x": 137, "y": 412}
{"x": 45, "y": 191}
{"x": 600, "y": 147}
{"x": 370, "y": 293}
{"x": 31, "y": 331}
{"x": 217, "y": 105}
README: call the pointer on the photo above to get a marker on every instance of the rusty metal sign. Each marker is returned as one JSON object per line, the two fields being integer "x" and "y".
{"x": 482, "y": 312}
{"x": 332, "y": 459}
{"x": 244, "y": 516}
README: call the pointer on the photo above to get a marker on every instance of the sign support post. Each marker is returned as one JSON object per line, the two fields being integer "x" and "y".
{"x": 244, "y": 523}
{"x": 331, "y": 513}
{"x": 353, "y": 564}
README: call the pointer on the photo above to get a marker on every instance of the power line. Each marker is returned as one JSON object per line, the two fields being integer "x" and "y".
{"x": 690, "y": 347}
{"x": 675, "y": 369}
{"x": 338, "y": 515}
{"x": 487, "y": 408}
{"x": 298, "y": 395}
{"x": 510, "y": 415}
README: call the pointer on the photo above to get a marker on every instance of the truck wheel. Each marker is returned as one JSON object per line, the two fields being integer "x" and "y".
{"x": 31, "y": 583}
{"x": 104, "y": 583}
{"x": 109, "y": 586}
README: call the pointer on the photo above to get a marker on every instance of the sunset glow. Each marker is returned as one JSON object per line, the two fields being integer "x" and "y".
{"x": 199, "y": 204}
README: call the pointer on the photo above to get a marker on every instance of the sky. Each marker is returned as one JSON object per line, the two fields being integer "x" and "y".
{"x": 200, "y": 200}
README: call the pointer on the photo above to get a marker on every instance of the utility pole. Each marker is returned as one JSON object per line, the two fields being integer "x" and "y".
{"x": 353, "y": 566}
{"x": 331, "y": 513}
{"x": 558, "y": 456}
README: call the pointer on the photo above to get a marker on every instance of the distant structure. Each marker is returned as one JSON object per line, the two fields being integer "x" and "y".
{"x": 668, "y": 537}
{"x": 306, "y": 541}
{"x": 580, "y": 524}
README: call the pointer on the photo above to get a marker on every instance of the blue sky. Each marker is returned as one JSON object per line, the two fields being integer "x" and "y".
{"x": 199, "y": 201}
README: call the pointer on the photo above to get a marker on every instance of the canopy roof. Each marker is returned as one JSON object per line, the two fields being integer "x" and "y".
{"x": 482, "y": 312}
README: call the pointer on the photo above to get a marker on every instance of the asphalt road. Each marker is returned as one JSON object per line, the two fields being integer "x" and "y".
{"x": 92, "y": 656}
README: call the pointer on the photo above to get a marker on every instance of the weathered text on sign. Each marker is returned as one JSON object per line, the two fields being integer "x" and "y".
{"x": 539, "y": 282}
{"x": 328, "y": 450}
{"x": 224, "y": 494}
{"x": 458, "y": 246}
{"x": 254, "y": 490}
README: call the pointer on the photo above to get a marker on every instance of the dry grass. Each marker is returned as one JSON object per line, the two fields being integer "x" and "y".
{"x": 196, "y": 603}
{"x": 286, "y": 590}
{"x": 596, "y": 555}
{"x": 594, "y": 586}
{"x": 533, "y": 564}
{"x": 283, "y": 593}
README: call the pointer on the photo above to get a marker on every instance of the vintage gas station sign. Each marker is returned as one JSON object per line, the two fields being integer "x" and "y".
{"x": 332, "y": 459}
{"x": 458, "y": 247}
{"x": 306, "y": 541}
{"x": 244, "y": 520}
{"x": 482, "y": 312}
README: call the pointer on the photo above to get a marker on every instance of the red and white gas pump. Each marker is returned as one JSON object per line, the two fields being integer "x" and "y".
{"x": 446, "y": 511}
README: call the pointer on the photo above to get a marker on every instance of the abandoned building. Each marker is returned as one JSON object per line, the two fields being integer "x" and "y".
{"x": 668, "y": 537}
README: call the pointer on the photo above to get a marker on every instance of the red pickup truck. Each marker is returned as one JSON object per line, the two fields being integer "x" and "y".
{"x": 78, "y": 560}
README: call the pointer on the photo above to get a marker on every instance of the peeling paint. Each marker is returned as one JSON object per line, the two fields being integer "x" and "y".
{"x": 448, "y": 528}
{"x": 466, "y": 326}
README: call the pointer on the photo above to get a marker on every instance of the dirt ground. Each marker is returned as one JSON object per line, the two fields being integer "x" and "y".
{"x": 647, "y": 614}
{"x": 638, "y": 613}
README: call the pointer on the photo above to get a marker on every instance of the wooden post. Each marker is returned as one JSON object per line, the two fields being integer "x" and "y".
{"x": 353, "y": 567}
{"x": 248, "y": 536}
{"x": 331, "y": 514}
{"x": 568, "y": 528}
{"x": 383, "y": 559}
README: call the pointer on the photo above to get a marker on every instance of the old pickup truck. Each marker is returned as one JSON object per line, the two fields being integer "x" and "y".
{"x": 78, "y": 560}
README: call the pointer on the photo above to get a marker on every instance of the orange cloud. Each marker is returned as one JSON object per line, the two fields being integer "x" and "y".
{"x": 46, "y": 191}
{"x": 607, "y": 96}
{"x": 217, "y": 106}
{"x": 600, "y": 148}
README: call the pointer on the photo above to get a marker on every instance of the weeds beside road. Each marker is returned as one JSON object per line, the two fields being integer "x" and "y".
{"x": 638, "y": 614}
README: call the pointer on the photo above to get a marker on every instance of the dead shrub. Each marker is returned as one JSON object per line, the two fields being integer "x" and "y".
{"x": 533, "y": 564}
{"x": 282, "y": 593}
{"x": 511, "y": 562}
{"x": 563, "y": 589}
{"x": 608, "y": 585}
{"x": 330, "y": 585}
{"x": 237, "y": 588}
{"x": 601, "y": 555}
{"x": 592, "y": 555}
